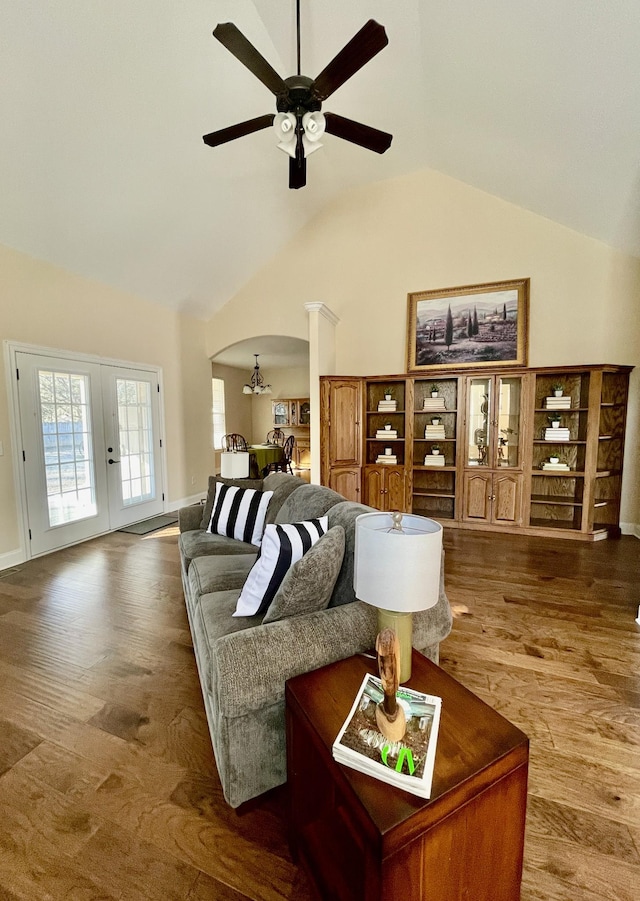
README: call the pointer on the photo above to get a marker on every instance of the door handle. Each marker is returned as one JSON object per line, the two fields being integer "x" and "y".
{"x": 110, "y": 461}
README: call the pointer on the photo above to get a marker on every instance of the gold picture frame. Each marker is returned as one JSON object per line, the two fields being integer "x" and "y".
{"x": 486, "y": 326}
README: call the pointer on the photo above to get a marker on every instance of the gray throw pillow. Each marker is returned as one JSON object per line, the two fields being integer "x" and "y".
{"x": 308, "y": 585}
{"x": 211, "y": 493}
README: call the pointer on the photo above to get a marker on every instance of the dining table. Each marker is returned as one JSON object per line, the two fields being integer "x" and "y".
{"x": 266, "y": 454}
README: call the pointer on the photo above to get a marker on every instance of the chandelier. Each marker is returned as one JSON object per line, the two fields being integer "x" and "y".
{"x": 256, "y": 383}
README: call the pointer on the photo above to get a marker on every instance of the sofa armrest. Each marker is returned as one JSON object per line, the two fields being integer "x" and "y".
{"x": 190, "y": 518}
{"x": 277, "y": 651}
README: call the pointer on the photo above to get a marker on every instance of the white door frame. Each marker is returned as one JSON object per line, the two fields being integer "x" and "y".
{"x": 11, "y": 348}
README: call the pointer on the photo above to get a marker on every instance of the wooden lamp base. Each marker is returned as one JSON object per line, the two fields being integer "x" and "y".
{"x": 389, "y": 714}
{"x": 402, "y": 625}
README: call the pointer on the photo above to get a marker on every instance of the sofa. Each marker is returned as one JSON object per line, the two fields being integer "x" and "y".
{"x": 244, "y": 661}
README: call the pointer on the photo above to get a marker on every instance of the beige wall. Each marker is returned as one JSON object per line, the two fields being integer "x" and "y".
{"x": 374, "y": 245}
{"x": 237, "y": 406}
{"x": 43, "y": 305}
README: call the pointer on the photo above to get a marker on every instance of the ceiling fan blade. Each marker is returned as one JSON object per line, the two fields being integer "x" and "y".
{"x": 357, "y": 133}
{"x": 235, "y": 42}
{"x": 362, "y": 47}
{"x": 238, "y": 131}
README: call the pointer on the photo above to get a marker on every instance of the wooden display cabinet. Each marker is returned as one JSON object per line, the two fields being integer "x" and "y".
{"x": 496, "y": 448}
{"x": 340, "y": 438}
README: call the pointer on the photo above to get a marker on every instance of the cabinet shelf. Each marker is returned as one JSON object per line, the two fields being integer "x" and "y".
{"x": 557, "y": 474}
{"x": 557, "y": 499}
{"x": 433, "y": 492}
{"x": 553, "y": 524}
{"x": 420, "y": 468}
{"x": 547, "y": 442}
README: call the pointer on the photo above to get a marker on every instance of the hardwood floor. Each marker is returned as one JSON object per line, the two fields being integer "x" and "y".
{"x": 108, "y": 787}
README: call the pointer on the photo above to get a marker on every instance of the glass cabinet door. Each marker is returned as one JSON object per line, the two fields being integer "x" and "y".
{"x": 280, "y": 412}
{"x": 507, "y": 422}
{"x": 478, "y": 437}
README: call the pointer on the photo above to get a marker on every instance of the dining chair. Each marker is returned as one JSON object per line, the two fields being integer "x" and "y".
{"x": 284, "y": 465}
{"x": 234, "y": 441}
{"x": 276, "y": 436}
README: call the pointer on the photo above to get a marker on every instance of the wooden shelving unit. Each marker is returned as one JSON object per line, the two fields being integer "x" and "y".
{"x": 494, "y": 446}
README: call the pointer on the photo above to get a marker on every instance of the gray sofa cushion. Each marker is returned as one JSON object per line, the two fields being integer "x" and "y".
{"x": 218, "y": 573}
{"x": 213, "y": 619}
{"x": 282, "y": 484}
{"x": 309, "y": 502}
{"x": 199, "y": 543}
{"x": 309, "y": 583}
{"x": 344, "y": 515}
{"x": 211, "y": 493}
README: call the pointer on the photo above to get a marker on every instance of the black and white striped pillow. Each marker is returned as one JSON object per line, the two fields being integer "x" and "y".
{"x": 239, "y": 513}
{"x": 282, "y": 546}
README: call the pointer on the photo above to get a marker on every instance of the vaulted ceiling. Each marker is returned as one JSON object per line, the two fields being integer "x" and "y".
{"x": 103, "y": 104}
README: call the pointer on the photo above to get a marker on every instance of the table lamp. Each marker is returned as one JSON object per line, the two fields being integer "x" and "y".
{"x": 397, "y": 569}
{"x": 234, "y": 464}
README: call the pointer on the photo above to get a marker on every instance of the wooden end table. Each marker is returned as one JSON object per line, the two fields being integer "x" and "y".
{"x": 360, "y": 839}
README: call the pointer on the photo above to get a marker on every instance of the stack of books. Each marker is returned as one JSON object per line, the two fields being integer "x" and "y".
{"x": 408, "y": 763}
{"x": 556, "y": 467}
{"x": 434, "y": 460}
{"x": 558, "y": 434}
{"x": 387, "y": 458}
{"x": 558, "y": 403}
{"x": 433, "y": 403}
{"x": 387, "y": 406}
{"x": 386, "y": 434}
{"x": 432, "y": 432}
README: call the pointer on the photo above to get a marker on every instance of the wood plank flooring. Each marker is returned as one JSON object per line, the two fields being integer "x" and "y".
{"x": 108, "y": 787}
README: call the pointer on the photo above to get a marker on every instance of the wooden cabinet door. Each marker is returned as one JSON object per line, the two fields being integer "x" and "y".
{"x": 396, "y": 494}
{"x": 506, "y": 499}
{"x": 345, "y": 410}
{"x": 477, "y": 496}
{"x": 373, "y": 487}
{"x": 346, "y": 482}
{"x": 385, "y": 487}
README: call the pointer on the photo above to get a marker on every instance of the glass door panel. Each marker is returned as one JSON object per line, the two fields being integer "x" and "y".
{"x": 135, "y": 438}
{"x": 508, "y": 422}
{"x": 478, "y": 436}
{"x": 134, "y": 461}
{"x": 62, "y": 438}
{"x": 65, "y": 420}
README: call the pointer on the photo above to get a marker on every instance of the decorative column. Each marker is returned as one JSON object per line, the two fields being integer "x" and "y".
{"x": 322, "y": 361}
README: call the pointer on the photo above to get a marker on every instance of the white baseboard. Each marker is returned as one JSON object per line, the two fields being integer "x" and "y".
{"x": 630, "y": 528}
{"x": 186, "y": 501}
{"x": 13, "y": 558}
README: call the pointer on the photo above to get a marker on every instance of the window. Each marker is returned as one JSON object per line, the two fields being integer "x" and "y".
{"x": 219, "y": 421}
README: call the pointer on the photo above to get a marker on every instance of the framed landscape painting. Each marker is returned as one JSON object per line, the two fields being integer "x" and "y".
{"x": 472, "y": 326}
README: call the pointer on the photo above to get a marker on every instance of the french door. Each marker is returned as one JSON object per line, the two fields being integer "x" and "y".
{"x": 90, "y": 447}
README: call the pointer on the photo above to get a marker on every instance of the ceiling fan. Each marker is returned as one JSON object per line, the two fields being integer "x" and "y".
{"x": 299, "y": 122}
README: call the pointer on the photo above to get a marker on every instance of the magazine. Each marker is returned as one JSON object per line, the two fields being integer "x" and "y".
{"x": 407, "y": 764}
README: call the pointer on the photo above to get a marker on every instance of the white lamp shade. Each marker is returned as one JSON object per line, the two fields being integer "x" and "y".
{"x": 397, "y": 570}
{"x": 234, "y": 464}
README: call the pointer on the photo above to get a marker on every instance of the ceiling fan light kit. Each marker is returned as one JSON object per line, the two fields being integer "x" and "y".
{"x": 299, "y": 123}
